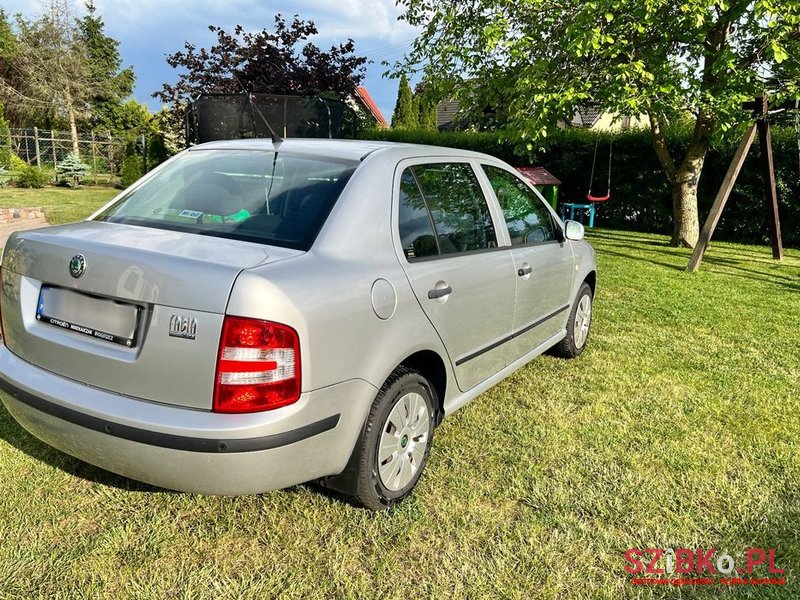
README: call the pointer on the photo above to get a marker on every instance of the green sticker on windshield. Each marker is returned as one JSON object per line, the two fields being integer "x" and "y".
{"x": 237, "y": 217}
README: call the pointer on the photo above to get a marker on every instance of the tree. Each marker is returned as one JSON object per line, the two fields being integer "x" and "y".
{"x": 404, "y": 113}
{"x": 55, "y": 68}
{"x": 52, "y": 67}
{"x": 426, "y": 108}
{"x": 661, "y": 58}
{"x": 110, "y": 82}
{"x": 264, "y": 62}
{"x": 72, "y": 169}
{"x": 5, "y": 142}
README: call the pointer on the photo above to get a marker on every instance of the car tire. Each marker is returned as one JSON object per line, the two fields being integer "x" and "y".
{"x": 394, "y": 444}
{"x": 578, "y": 325}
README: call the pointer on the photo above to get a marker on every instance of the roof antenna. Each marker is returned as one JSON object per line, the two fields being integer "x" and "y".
{"x": 276, "y": 139}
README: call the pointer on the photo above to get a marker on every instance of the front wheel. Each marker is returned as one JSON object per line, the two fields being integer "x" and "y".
{"x": 578, "y": 325}
{"x": 392, "y": 451}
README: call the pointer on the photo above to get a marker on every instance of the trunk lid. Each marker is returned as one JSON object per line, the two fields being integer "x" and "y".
{"x": 142, "y": 319}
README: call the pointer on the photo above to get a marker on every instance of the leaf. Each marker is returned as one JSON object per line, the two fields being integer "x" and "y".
{"x": 778, "y": 52}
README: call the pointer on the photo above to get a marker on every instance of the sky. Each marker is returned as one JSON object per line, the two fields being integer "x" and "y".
{"x": 148, "y": 30}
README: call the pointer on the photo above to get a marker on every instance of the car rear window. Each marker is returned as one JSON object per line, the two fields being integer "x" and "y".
{"x": 268, "y": 197}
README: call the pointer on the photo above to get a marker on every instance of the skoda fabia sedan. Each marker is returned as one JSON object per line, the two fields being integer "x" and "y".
{"x": 253, "y": 315}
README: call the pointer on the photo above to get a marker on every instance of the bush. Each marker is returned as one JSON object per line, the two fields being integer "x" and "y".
{"x": 131, "y": 170}
{"x": 31, "y": 177}
{"x": 640, "y": 195}
{"x": 17, "y": 164}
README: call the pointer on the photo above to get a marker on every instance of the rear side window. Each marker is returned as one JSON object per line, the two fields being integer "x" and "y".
{"x": 267, "y": 197}
{"x": 416, "y": 228}
{"x": 527, "y": 218}
{"x": 458, "y": 215}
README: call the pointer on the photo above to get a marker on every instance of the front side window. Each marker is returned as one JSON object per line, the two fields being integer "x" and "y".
{"x": 527, "y": 218}
{"x": 267, "y": 197}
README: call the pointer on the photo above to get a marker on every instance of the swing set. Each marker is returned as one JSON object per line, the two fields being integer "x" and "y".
{"x": 592, "y": 199}
{"x": 761, "y": 112}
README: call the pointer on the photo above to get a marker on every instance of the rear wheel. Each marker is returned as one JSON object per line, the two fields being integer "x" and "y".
{"x": 392, "y": 451}
{"x": 578, "y": 326}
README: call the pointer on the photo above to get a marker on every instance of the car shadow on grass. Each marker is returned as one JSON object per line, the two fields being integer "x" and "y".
{"x": 17, "y": 436}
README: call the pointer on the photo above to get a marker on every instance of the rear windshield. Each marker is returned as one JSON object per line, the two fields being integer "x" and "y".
{"x": 267, "y": 197}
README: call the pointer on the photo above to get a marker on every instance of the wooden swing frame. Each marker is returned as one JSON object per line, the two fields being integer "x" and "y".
{"x": 760, "y": 110}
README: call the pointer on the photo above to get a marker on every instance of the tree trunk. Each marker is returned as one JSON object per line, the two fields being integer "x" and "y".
{"x": 73, "y": 126}
{"x": 684, "y": 179}
{"x": 685, "y": 218}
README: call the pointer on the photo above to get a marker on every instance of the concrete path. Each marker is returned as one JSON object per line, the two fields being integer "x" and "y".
{"x": 6, "y": 229}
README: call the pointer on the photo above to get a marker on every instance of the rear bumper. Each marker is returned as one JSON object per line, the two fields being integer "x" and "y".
{"x": 187, "y": 449}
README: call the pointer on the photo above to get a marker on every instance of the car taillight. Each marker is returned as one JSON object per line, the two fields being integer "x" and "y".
{"x": 258, "y": 366}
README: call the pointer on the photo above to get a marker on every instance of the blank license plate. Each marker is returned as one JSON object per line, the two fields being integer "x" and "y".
{"x": 101, "y": 319}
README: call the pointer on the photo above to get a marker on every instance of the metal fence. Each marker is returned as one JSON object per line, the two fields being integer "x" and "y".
{"x": 40, "y": 147}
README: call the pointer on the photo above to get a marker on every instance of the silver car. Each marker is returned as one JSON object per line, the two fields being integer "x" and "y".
{"x": 252, "y": 315}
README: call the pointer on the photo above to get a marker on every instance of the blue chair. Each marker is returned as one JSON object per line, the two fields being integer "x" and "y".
{"x": 573, "y": 206}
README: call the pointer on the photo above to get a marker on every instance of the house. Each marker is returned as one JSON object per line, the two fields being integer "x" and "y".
{"x": 362, "y": 99}
{"x": 591, "y": 117}
{"x": 448, "y": 118}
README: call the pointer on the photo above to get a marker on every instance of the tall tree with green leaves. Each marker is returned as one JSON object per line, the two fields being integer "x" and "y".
{"x": 52, "y": 68}
{"x": 425, "y": 104}
{"x": 404, "y": 113}
{"x": 666, "y": 59}
{"x": 110, "y": 82}
{"x": 55, "y": 67}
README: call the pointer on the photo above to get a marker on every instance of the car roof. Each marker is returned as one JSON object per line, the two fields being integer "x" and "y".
{"x": 343, "y": 149}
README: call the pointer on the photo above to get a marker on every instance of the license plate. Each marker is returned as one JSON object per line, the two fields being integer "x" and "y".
{"x": 102, "y": 319}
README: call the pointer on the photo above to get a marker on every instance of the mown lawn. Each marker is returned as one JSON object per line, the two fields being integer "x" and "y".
{"x": 678, "y": 427}
{"x": 61, "y": 205}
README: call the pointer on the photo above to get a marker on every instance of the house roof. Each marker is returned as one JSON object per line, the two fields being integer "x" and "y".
{"x": 539, "y": 176}
{"x": 446, "y": 114}
{"x": 362, "y": 95}
{"x": 586, "y": 116}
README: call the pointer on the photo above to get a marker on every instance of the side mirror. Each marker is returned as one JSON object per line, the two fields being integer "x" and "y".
{"x": 574, "y": 231}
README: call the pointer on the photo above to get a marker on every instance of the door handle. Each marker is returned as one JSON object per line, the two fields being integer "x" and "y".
{"x": 440, "y": 293}
{"x": 525, "y": 271}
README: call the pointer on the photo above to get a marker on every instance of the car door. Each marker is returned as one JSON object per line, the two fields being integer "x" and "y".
{"x": 543, "y": 262}
{"x": 461, "y": 274}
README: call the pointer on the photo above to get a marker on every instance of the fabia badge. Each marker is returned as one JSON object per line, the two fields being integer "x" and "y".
{"x": 181, "y": 326}
{"x": 77, "y": 266}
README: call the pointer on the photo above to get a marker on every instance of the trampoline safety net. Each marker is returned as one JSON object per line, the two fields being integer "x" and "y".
{"x": 240, "y": 116}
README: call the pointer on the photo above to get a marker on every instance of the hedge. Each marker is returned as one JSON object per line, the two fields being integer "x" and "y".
{"x": 640, "y": 195}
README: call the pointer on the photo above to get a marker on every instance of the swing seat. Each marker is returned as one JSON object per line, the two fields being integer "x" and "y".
{"x": 591, "y": 198}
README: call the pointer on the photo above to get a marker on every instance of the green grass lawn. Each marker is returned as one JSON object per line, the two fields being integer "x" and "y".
{"x": 61, "y": 205}
{"x": 678, "y": 427}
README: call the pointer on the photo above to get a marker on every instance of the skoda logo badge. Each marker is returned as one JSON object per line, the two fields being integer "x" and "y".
{"x": 77, "y": 266}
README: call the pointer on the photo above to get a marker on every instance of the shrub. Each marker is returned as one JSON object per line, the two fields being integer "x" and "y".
{"x": 157, "y": 151}
{"x": 31, "y": 177}
{"x": 131, "y": 170}
{"x": 71, "y": 170}
{"x": 17, "y": 164}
